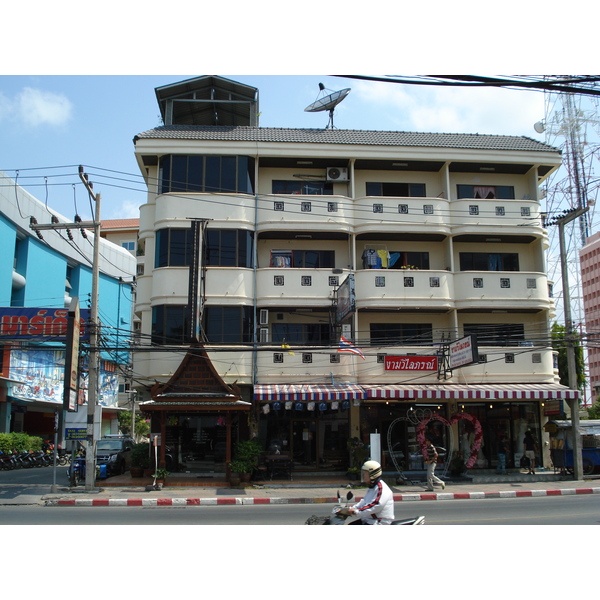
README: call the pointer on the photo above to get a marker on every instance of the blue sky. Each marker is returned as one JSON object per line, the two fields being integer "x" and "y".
{"x": 49, "y": 124}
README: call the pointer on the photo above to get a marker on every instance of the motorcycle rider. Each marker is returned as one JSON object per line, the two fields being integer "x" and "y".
{"x": 377, "y": 507}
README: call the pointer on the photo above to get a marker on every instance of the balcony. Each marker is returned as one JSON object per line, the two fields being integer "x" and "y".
{"x": 310, "y": 287}
{"x": 404, "y": 288}
{"x": 506, "y": 289}
{"x": 515, "y": 217}
{"x": 401, "y": 215}
{"x": 315, "y": 213}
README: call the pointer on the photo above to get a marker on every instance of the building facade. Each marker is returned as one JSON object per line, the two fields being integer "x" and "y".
{"x": 39, "y": 277}
{"x": 328, "y": 273}
{"x": 589, "y": 257}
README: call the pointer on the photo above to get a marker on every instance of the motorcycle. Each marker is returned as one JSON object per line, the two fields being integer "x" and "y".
{"x": 341, "y": 515}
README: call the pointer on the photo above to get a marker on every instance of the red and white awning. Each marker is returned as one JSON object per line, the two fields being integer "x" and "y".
{"x": 307, "y": 393}
{"x": 471, "y": 392}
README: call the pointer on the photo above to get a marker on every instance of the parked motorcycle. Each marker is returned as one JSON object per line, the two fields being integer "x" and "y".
{"x": 340, "y": 515}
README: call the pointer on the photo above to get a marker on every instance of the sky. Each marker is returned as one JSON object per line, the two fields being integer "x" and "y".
{"x": 50, "y": 124}
{"x": 77, "y": 82}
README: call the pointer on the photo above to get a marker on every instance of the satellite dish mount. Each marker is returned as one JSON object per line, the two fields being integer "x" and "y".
{"x": 327, "y": 102}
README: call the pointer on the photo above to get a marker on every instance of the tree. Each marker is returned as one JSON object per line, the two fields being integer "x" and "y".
{"x": 559, "y": 344}
{"x": 142, "y": 426}
{"x": 594, "y": 411}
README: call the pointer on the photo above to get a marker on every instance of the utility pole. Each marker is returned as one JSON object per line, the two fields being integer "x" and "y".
{"x": 90, "y": 466}
{"x": 92, "y": 403}
{"x": 570, "y": 337}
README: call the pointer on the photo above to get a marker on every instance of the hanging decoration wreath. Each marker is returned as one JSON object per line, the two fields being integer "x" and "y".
{"x": 477, "y": 437}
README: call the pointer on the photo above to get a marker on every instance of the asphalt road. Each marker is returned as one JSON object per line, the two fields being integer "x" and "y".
{"x": 559, "y": 510}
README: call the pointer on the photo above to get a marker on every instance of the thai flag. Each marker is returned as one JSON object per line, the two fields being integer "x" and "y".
{"x": 346, "y": 346}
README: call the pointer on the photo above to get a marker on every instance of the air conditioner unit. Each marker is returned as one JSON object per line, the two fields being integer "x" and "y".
{"x": 263, "y": 316}
{"x": 337, "y": 174}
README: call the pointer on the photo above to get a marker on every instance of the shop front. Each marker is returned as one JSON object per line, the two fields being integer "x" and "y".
{"x": 196, "y": 418}
{"x": 311, "y": 423}
{"x": 465, "y": 422}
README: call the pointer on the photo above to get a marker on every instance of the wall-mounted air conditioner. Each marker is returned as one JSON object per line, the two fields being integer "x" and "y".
{"x": 337, "y": 174}
{"x": 263, "y": 316}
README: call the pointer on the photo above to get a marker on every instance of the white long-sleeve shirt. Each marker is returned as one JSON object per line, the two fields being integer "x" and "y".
{"x": 377, "y": 507}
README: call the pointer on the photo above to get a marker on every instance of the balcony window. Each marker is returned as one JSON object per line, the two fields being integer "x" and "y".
{"x": 301, "y": 333}
{"x": 402, "y": 334}
{"x": 173, "y": 248}
{"x": 228, "y": 324}
{"x": 229, "y": 248}
{"x": 401, "y": 190}
{"x": 168, "y": 324}
{"x": 192, "y": 173}
{"x": 489, "y": 261}
{"x": 504, "y": 334}
{"x": 486, "y": 192}
{"x": 303, "y": 259}
{"x": 304, "y": 188}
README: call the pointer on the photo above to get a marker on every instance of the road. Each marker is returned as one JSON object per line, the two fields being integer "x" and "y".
{"x": 556, "y": 510}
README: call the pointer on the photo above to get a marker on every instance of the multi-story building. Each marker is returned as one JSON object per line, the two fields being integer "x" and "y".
{"x": 401, "y": 243}
{"x": 39, "y": 277}
{"x": 590, "y": 284}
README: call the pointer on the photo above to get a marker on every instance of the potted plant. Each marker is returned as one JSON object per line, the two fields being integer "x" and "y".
{"x": 353, "y": 473}
{"x": 245, "y": 458}
{"x": 160, "y": 475}
{"x": 140, "y": 459}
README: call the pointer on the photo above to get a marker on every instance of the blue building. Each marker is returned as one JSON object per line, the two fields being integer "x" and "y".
{"x": 40, "y": 276}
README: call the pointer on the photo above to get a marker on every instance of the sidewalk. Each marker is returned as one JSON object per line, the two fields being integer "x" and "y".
{"x": 299, "y": 492}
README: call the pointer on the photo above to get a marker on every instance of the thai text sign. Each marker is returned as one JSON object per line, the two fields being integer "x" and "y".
{"x": 463, "y": 352}
{"x": 44, "y": 323}
{"x": 411, "y": 363}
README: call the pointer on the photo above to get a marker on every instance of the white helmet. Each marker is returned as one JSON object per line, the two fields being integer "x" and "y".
{"x": 373, "y": 468}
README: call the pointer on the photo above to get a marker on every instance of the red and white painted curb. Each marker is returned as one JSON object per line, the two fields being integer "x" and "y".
{"x": 235, "y": 501}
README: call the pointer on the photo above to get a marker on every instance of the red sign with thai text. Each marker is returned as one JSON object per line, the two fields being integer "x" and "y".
{"x": 411, "y": 363}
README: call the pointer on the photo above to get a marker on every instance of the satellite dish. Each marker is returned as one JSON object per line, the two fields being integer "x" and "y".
{"x": 540, "y": 126}
{"x": 327, "y": 102}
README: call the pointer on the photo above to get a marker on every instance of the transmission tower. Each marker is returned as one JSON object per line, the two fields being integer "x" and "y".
{"x": 571, "y": 124}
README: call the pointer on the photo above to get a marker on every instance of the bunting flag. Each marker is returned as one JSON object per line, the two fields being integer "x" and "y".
{"x": 346, "y": 346}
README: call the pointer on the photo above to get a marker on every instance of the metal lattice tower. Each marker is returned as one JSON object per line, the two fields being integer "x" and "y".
{"x": 571, "y": 123}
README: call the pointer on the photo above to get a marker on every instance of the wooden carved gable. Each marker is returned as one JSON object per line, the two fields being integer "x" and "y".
{"x": 195, "y": 376}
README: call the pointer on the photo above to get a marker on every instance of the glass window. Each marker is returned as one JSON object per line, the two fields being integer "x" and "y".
{"x": 305, "y": 188}
{"x": 407, "y": 334}
{"x": 489, "y": 261}
{"x": 486, "y": 192}
{"x": 173, "y": 248}
{"x": 197, "y": 173}
{"x": 229, "y": 248}
{"x": 505, "y": 334}
{"x": 168, "y": 324}
{"x": 396, "y": 189}
{"x": 228, "y": 324}
{"x": 301, "y": 333}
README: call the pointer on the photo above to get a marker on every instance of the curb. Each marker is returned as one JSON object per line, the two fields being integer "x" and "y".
{"x": 424, "y": 496}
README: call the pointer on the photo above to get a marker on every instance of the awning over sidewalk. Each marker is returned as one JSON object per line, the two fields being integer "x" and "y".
{"x": 471, "y": 392}
{"x": 307, "y": 393}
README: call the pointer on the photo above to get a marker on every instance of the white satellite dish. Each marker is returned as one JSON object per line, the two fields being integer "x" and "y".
{"x": 327, "y": 102}
{"x": 540, "y": 126}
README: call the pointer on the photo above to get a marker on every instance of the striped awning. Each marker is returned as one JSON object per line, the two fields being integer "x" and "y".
{"x": 472, "y": 392}
{"x": 308, "y": 392}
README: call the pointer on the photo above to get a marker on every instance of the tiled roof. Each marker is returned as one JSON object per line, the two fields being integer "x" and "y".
{"x": 472, "y": 141}
{"x": 121, "y": 224}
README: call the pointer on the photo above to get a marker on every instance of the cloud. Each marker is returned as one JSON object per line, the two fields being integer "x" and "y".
{"x": 455, "y": 110}
{"x": 36, "y": 107}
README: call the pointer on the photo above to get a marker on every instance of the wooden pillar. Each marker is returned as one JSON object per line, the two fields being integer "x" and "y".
{"x": 228, "y": 443}
{"x": 162, "y": 462}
